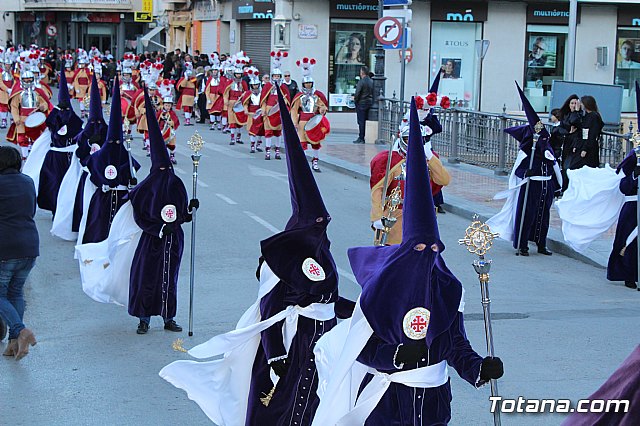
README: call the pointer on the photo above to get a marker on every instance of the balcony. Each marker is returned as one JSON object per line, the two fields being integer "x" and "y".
{"x": 111, "y": 5}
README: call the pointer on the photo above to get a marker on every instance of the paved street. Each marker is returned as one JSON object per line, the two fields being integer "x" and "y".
{"x": 560, "y": 327}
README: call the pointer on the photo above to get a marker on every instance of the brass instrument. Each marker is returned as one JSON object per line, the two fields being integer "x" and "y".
{"x": 392, "y": 203}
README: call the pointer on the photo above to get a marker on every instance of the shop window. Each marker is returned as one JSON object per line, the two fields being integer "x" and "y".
{"x": 453, "y": 55}
{"x": 351, "y": 45}
{"x": 628, "y": 65}
{"x": 544, "y": 63}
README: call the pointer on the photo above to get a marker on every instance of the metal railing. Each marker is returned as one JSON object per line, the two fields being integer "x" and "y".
{"x": 478, "y": 138}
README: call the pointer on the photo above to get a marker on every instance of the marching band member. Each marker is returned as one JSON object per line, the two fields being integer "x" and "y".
{"x": 149, "y": 76}
{"x": 308, "y": 103}
{"x": 130, "y": 91}
{"x": 38, "y": 83}
{"x": 226, "y": 78}
{"x": 69, "y": 72}
{"x": 168, "y": 119}
{"x": 215, "y": 102}
{"x": 251, "y": 102}
{"x": 269, "y": 99}
{"x": 81, "y": 80}
{"x": 45, "y": 68}
{"x": 7, "y": 82}
{"x": 188, "y": 93}
{"x": 24, "y": 100}
{"x": 232, "y": 93}
{"x": 102, "y": 86}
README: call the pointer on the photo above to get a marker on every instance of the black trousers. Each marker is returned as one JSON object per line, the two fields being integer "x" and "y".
{"x": 202, "y": 106}
{"x": 362, "y": 111}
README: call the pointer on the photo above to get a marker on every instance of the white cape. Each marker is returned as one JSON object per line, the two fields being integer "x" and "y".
{"x": 105, "y": 267}
{"x": 590, "y": 205}
{"x": 89, "y": 190}
{"x": 221, "y": 387}
{"x": 63, "y": 219}
{"x": 34, "y": 162}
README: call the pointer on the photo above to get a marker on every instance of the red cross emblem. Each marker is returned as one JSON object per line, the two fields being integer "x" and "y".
{"x": 418, "y": 324}
{"x": 110, "y": 172}
{"x": 312, "y": 270}
{"x": 168, "y": 213}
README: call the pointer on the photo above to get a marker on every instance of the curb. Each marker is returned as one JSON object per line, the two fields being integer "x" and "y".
{"x": 467, "y": 210}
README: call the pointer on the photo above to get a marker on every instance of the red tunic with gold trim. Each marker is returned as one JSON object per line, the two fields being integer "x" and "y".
{"x": 213, "y": 91}
{"x": 69, "y": 74}
{"x": 129, "y": 92}
{"x": 169, "y": 123}
{"x": 224, "y": 82}
{"x": 188, "y": 93}
{"x": 269, "y": 98}
{"x": 300, "y": 116}
{"x": 46, "y": 89}
{"x": 20, "y": 114}
{"x": 156, "y": 100}
{"x": 81, "y": 82}
{"x": 232, "y": 93}
{"x": 46, "y": 72}
{"x": 102, "y": 87}
{"x": 6, "y": 85}
{"x": 251, "y": 103}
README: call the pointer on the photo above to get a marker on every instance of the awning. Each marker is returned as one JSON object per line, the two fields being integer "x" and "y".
{"x": 146, "y": 39}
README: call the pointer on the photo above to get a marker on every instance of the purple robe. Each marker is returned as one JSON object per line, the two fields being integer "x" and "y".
{"x": 539, "y": 201}
{"x": 56, "y": 164}
{"x": 156, "y": 263}
{"x": 625, "y": 267}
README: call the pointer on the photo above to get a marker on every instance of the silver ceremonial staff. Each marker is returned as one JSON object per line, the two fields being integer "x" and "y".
{"x": 478, "y": 240}
{"x": 195, "y": 143}
{"x": 537, "y": 128}
{"x": 127, "y": 140}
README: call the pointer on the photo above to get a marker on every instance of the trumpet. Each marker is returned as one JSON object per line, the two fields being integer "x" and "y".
{"x": 392, "y": 204}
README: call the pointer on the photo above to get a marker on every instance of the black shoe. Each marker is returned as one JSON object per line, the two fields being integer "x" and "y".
{"x": 523, "y": 252}
{"x": 440, "y": 210}
{"x": 200, "y": 122}
{"x": 544, "y": 250}
{"x": 359, "y": 140}
{"x": 630, "y": 284}
{"x": 172, "y": 326}
{"x": 143, "y": 327}
{"x": 240, "y": 141}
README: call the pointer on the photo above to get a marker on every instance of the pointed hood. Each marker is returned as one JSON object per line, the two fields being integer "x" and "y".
{"x": 95, "y": 131}
{"x": 435, "y": 84}
{"x": 64, "y": 100}
{"x": 110, "y": 165}
{"x": 95, "y": 102}
{"x": 115, "y": 118}
{"x": 524, "y": 133}
{"x": 630, "y": 161}
{"x": 426, "y": 295}
{"x": 159, "y": 154}
{"x": 300, "y": 254}
{"x": 418, "y": 213}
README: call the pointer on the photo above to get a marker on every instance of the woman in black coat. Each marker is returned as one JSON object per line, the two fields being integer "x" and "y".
{"x": 571, "y": 122}
{"x": 587, "y": 151}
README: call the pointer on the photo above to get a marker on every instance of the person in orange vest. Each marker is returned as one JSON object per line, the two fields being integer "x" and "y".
{"x": 251, "y": 103}
{"x": 7, "y": 82}
{"x": 306, "y": 104}
{"x": 188, "y": 93}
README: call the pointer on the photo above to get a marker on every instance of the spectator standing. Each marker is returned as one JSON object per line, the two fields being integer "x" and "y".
{"x": 363, "y": 100}
{"x": 292, "y": 85}
{"x": 592, "y": 124}
{"x": 19, "y": 247}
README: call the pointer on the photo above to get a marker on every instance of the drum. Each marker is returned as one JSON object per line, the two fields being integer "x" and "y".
{"x": 317, "y": 128}
{"x": 257, "y": 125}
{"x": 34, "y": 125}
{"x": 274, "y": 115}
{"x": 241, "y": 116}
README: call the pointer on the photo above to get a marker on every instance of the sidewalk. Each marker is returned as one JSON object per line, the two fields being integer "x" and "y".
{"x": 470, "y": 192}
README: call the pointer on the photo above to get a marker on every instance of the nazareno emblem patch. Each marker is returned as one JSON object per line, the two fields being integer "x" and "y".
{"x": 110, "y": 172}
{"x": 169, "y": 213}
{"x": 313, "y": 270}
{"x": 416, "y": 323}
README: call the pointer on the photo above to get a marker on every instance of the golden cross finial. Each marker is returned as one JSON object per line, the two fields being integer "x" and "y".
{"x": 196, "y": 142}
{"x": 538, "y": 127}
{"x": 478, "y": 237}
{"x": 177, "y": 345}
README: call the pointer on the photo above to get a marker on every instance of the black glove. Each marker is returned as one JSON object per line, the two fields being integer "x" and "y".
{"x": 188, "y": 218}
{"x": 529, "y": 173}
{"x": 280, "y": 367}
{"x": 636, "y": 172}
{"x": 411, "y": 353}
{"x": 194, "y": 204}
{"x": 168, "y": 229}
{"x": 133, "y": 182}
{"x": 491, "y": 368}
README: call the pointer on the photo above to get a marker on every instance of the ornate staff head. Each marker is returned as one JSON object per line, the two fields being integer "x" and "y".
{"x": 478, "y": 237}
